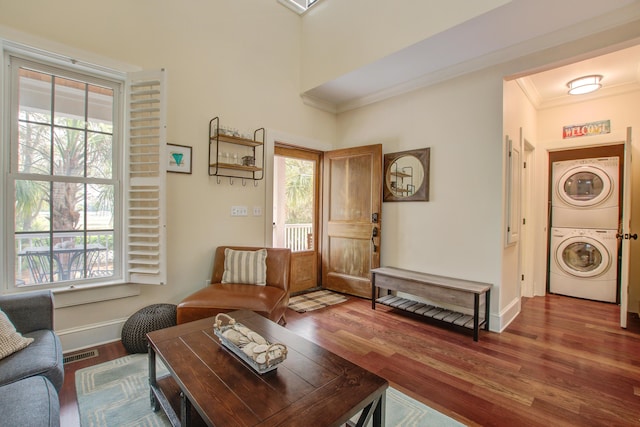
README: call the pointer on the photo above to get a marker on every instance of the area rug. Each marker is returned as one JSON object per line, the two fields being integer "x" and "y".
{"x": 315, "y": 300}
{"x": 116, "y": 394}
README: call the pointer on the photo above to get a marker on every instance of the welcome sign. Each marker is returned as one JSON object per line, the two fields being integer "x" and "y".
{"x": 586, "y": 129}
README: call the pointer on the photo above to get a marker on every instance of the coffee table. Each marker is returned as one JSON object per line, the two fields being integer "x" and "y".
{"x": 209, "y": 385}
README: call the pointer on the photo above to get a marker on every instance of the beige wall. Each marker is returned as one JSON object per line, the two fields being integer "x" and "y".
{"x": 223, "y": 59}
{"x": 520, "y": 124}
{"x": 340, "y": 36}
{"x": 458, "y": 233}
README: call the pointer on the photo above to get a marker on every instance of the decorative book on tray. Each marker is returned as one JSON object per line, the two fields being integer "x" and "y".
{"x": 250, "y": 346}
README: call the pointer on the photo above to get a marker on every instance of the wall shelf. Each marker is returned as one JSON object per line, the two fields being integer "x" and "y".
{"x": 223, "y": 145}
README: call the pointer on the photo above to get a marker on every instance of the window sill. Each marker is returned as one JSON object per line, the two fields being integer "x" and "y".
{"x": 74, "y": 295}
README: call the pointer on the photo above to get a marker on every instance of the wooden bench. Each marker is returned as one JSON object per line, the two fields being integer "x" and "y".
{"x": 437, "y": 289}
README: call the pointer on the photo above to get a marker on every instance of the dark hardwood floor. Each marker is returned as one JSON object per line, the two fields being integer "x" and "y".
{"x": 563, "y": 361}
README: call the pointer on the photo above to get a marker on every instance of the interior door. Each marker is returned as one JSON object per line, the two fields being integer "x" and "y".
{"x": 625, "y": 233}
{"x": 352, "y": 201}
{"x": 295, "y": 216}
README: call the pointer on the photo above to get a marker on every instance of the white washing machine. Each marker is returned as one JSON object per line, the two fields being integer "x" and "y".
{"x": 584, "y": 263}
{"x": 585, "y": 193}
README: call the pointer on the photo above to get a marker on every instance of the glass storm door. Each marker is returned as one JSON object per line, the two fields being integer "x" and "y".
{"x": 295, "y": 212}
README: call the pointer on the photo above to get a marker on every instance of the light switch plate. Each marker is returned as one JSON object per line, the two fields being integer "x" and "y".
{"x": 239, "y": 211}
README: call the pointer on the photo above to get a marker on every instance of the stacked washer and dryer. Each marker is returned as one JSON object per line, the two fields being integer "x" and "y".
{"x": 584, "y": 223}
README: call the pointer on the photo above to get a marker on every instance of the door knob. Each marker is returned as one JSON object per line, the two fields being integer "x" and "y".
{"x": 374, "y": 233}
{"x": 627, "y": 236}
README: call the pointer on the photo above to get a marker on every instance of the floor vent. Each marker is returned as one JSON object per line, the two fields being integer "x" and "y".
{"x": 81, "y": 356}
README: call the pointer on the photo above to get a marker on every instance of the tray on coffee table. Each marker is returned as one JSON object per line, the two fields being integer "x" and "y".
{"x": 257, "y": 352}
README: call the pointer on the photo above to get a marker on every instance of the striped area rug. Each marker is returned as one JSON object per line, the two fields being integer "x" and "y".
{"x": 315, "y": 300}
{"x": 116, "y": 394}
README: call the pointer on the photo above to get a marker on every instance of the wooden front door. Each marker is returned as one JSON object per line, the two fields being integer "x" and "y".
{"x": 352, "y": 201}
{"x": 296, "y": 202}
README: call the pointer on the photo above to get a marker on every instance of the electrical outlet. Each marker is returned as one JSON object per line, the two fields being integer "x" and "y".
{"x": 257, "y": 211}
{"x": 239, "y": 211}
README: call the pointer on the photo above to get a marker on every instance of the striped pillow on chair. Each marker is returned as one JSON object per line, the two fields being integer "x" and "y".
{"x": 246, "y": 267}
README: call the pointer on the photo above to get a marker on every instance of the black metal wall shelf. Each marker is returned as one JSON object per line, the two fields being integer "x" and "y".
{"x": 246, "y": 170}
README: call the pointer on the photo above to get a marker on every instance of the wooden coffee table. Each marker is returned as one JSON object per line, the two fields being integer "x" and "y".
{"x": 209, "y": 385}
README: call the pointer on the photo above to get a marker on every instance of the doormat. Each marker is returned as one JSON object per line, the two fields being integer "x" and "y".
{"x": 315, "y": 300}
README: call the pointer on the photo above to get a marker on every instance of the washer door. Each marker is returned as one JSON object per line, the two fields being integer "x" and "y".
{"x": 584, "y": 186}
{"x": 582, "y": 256}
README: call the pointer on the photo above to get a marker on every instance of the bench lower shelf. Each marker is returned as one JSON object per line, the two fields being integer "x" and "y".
{"x": 431, "y": 311}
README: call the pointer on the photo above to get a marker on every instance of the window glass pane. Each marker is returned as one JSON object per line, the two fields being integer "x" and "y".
{"x": 34, "y": 148}
{"x": 34, "y": 95}
{"x": 103, "y": 263}
{"x": 68, "y": 205}
{"x": 100, "y": 207}
{"x": 31, "y": 206}
{"x": 69, "y": 255}
{"x": 100, "y": 109}
{"x": 69, "y": 103}
{"x": 33, "y": 260}
{"x": 68, "y": 152}
{"x": 99, "y": 155}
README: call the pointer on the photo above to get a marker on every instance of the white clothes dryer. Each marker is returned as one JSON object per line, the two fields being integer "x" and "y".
{"x": 585, "y": 193}
{"x": 584, "y": 263}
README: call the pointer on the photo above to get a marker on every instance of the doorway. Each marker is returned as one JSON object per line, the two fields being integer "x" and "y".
{"x": 337, "y": 247}
{"x": 585, "y": 194}
{"x": 296, "y": 192}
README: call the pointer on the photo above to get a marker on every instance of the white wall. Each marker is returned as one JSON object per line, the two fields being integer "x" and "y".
{"x": 224, "y": 58}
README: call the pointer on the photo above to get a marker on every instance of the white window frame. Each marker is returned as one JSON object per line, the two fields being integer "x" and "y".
{"x": 134, "y": 265}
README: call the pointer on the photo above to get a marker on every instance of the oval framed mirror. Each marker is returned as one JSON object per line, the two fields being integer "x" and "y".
{"x": 406, "y": 176}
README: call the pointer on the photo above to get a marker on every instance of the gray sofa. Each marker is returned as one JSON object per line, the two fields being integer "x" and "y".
{"x": 31, "y": 378}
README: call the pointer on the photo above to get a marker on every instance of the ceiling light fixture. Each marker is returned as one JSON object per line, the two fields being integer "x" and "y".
{"x": 586, "y": 84}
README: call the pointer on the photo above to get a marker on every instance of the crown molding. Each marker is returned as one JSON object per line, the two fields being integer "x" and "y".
{"x": 318, "y": 103}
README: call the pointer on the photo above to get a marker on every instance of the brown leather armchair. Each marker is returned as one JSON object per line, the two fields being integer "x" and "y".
{"x": 270, "y": 301}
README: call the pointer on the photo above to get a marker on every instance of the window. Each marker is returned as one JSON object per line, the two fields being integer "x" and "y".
{"x": 80, "y": 205}
{"x": 298, "y": 6}
{"x": 62, "y": 178}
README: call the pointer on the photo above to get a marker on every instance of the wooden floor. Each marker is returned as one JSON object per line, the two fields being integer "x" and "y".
{"x": 563, "y": 361}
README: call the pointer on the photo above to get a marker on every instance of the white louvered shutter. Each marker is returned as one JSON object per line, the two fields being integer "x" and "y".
{"x": 146, "y": 192}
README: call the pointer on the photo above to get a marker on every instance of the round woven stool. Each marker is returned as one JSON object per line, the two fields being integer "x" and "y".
{"x": 147, "y": 319}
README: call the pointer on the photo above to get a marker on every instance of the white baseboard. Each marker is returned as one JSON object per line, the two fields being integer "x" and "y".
{"x": 500, "y": 321}
{"x": 74, "y": 339}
